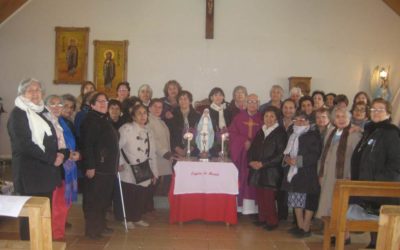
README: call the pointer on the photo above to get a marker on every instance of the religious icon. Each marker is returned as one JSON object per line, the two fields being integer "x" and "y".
{"x": 110, "y": 65}
{"x": 205, "y": 134}
{"x": 209, "y": 19}
{"x": 108, "y": 69}
{"x": 71, "y": 55}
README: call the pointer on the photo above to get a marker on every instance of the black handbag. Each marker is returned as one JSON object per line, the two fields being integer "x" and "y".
{"x": 266, "y": 177}
{"x": 141, "y": 171}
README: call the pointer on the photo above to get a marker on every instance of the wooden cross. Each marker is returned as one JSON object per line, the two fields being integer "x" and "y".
{"x": 209, "y": 19}
{"x": 250, "y": 125}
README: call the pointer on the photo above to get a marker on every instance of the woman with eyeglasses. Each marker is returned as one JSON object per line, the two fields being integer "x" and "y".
{"x": 100, "y": 153}
{"x": 67, "y": 192}
{"x": 137, "y": 147}
{"x": 377, "y": 155}
{"x": 301, "y": 180}
{"x": 335, "y": 159}
{"x": 323, "y": 121}
{"x": 34, "y": 147}
{"x": 360, "y": 114}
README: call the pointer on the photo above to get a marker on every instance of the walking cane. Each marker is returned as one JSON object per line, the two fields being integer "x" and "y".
{"x": 122, "y": 201}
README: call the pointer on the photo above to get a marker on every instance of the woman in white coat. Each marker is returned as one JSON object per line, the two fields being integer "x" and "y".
{"x": 137, "y": 146}
{"x": 163, "y": 145}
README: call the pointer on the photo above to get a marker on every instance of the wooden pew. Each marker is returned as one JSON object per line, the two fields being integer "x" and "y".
{"x": 337, "y": 224}
{"x": 37, "y": 209}
{"x": 389, "y": 228}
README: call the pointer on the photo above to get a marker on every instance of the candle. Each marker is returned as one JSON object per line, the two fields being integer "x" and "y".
{"x": 189, "y": 137}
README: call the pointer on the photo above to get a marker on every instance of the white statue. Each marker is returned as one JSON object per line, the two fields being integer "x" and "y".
{"x": 205, "y": 132}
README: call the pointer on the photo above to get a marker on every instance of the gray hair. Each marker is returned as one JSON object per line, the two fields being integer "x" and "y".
{"x": 239, "y": 87}
{"x": 24, "y": 84}
{"x": 340, "y": 110}
{"x": 147, "y": 87}
{"x": 276, "y": 87}
{"x": 47, "y": 100}
{"x": 296, "y": 90}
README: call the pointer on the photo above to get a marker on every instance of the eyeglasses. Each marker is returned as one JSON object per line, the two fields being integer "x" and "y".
{"x": 252, "y": 102}
{"x": 377, "y": 110}
{"x": 102, "y": 101}
{"x": 56, "y": 105}
{"x": 299, "y": 120}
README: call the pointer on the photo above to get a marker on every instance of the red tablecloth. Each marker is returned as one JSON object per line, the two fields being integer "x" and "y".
{"x": 207, "y": 207}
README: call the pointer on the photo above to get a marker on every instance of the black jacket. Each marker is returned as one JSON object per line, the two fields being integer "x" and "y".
{"x": 99, "y": 144}
{"x": 377, "y": 155}
{"x": 377, "y": 158}
{"x": 176, "y": 127}
{"x": 270, "y": 152}
{"x": 306, "y": 179}
{"x": 33, "y": 170}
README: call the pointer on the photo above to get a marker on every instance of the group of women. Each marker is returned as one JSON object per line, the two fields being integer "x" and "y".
{"x": 303, "y": 145}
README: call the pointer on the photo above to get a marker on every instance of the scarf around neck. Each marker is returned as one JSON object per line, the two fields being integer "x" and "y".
{"x": 70, "y": 167}
{"x": 269, "y": 130}
{"x": 220, "y": 110}
{"x": 340, "y": 153}
{"x": 292, "y": 148}
{"x": 37, "y": 125}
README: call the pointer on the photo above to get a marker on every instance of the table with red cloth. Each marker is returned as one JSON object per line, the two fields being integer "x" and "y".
{"x": 204, "y": 191}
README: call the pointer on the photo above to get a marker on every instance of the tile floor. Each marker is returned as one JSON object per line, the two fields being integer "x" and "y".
{"x": 191, "y": 235}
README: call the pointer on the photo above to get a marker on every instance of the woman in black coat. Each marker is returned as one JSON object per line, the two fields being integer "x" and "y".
{"x": 265, "y": 158}
{"x": 100, "y": 152}
{"x": 377, "y": 155}
{"x": 184, "y": 119}
{"x": 34, "y": 147}
{"x": 301, "y": 179}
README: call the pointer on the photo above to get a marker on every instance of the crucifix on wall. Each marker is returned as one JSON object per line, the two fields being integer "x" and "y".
{"x": 209, "y": 19}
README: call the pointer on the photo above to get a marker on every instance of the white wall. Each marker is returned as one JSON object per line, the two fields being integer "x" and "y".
{"x": 257, "y": 43}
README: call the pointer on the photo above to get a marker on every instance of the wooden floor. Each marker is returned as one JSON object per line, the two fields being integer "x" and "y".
{"x": 192, "y": 235}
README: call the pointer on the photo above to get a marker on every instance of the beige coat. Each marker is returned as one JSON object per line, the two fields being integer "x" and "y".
{"x": 329, "y": 176}
{"x": 133, "y": 142}
{"x": 162, "y": 140}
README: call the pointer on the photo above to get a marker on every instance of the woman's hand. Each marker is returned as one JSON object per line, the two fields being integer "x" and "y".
{"x": 247, "y": 144}
{"x": 168, "y": 115}
{"x": 90, "y": 173}
{"x": 59, "y": 159}
{"x": 180, "y": 151}
{"x": 255, "y": 165}
{"x": 121, "y": 168}
{"x": 74, "y": 156}
{"x": 290, "y": 161}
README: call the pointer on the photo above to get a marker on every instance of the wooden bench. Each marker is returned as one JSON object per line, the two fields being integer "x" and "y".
{"x": 37, "y": 209}
{"x": 337, "y": 224}
{"x": 389, "y": 228}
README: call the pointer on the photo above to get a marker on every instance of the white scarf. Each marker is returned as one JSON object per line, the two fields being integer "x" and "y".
{"x": 268, "y": 131}
{"x": 38, "y": 126}
{"x": 220, "y": 110}
{"x": 292, "y": 148}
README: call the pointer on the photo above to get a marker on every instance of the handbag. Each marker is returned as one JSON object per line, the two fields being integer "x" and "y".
{"x": 266, "y": 177}
{"x": 142, "y": 171}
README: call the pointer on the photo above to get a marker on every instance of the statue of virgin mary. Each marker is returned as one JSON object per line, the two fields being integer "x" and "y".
{"x": 205, "y": 132}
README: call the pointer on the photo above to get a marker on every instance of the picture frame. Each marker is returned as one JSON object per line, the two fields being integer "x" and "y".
{"x": 110, "y": 65}
{"x": 303, "y": 82}
{"x": 71, "y": 55}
